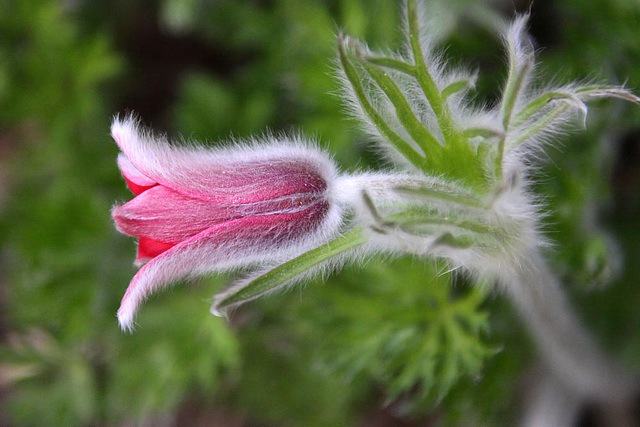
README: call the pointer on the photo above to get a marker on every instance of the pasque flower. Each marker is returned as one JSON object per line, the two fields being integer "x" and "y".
{"x": 200, "y": 210}
{"x": 458, "y": 189}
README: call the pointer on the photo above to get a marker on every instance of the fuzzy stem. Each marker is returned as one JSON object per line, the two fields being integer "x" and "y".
{"x": 566, "y": 346}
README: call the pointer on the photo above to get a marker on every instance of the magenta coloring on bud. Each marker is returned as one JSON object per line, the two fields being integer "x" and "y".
{"x": 200, "y": 210}
{"x": 269, "y": 203}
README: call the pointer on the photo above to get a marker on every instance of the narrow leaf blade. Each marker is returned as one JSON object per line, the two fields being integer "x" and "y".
{"x": 354, "y": 79}
{"x": 542, "y": 101}
{"x": 279, "y": 276}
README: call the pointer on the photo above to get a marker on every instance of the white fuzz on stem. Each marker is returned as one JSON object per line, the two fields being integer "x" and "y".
{"x": 567, "y": 347}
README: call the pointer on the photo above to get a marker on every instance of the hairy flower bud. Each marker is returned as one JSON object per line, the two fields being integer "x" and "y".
{"x": 200, "y": 210}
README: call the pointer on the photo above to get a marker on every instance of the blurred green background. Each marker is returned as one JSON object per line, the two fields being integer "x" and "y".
{"x": 389, "y": 344}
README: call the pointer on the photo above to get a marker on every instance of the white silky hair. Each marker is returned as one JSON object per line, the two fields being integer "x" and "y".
{"x": 512, "y": 255}
{"x": 165, "y": 162}
{"x": 510, "y": 206}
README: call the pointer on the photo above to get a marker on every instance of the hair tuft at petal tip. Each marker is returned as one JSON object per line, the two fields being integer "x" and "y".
{"x": 217, "y": 312}
{"x": 126, "y": 319}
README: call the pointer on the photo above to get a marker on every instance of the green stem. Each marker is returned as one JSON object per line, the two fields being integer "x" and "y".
{"x": 497, "y": 163}
{"x": 567, "y": 347}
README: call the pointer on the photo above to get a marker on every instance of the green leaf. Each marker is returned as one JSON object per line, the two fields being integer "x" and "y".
{"x": 542, "y": 101}
{"x": 485, "y": 133}
{"x": 516, "y": 82}
{"x": 589, "y": 93}
{"x": 398, "y": 324}
{"x": 440, "y": 192}
{"x": 400, "y": 144}
{"x": 515, "y": 85}
{"x": 414, "y": 220}
{"x": 426, "y": 81}
{"x": 280, "y": 275}
{"x": 458, "y": 86}
{"x": 539, "y": 125}
{"x": 427, "y": 142}
{"x": 392, "y": 63}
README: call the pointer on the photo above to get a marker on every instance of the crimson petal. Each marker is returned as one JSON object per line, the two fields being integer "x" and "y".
{"x": 236, "y": 243}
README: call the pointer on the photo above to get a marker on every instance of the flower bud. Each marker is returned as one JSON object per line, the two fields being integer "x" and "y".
{"x": 199, "y": 210}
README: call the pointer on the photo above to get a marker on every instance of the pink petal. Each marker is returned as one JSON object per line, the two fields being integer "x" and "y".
{"x": 136, "y": 181}
{"x": 166, "y": 216}
{"x": 225, "y": 175}
{"x": 227, "y": 245}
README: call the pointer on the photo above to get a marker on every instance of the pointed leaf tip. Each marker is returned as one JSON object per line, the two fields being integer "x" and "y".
{"x": 265, "y": 282}
{"x": 588, "y": 93}
{"x": 217, "y": 311}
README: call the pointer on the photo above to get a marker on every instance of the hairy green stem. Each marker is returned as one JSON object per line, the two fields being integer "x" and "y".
{"x": 568, "y": 349}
